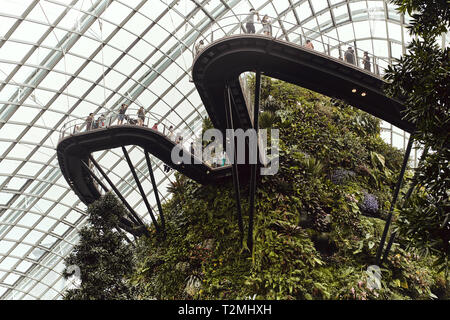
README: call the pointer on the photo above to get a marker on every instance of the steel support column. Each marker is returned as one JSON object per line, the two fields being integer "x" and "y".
{"x": 394, "y": 200}
{"x": 118, "y": 228}
{"x": 254, "y": 167}
{"x": 155, "y": 190}
{"x": 141, "y": 190}
{"x": 408, "y": 194}
{"x": 234, "y": 168}
{"x": 134, "y": 217}
{"x": 94, "y": 176}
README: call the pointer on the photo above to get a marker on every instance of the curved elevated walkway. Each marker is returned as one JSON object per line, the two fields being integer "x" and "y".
{"x": 215, "y": 71}
{"x": 221, "y": 63}
{"x": 76, "y": 148}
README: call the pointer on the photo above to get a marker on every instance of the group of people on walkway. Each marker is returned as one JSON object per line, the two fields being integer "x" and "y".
{"x": 249, "y": 28}
{"x": 265, "y": 22}
{"x": 92, "y": 124}
{"x": 349, "y": 57}
{"x": 122, "y": 116}
{"x": 218, "y": 161}
{"x": 100, "y": 122}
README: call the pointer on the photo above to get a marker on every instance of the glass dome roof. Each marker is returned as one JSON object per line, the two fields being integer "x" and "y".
{"x": 62, "y": 59}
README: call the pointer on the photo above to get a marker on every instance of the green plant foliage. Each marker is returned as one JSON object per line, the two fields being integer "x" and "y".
{"x": 311, "y": 240}
{"x": 102, "y": 255}
{"x": 430, "y": 17}
{"x": 267, "y": 119}
{"x": 421, "y": 78}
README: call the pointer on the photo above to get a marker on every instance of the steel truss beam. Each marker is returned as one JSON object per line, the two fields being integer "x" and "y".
{"x": 394, "y": 200}
{"x": 155, "y": 190}
{"x": 254, "y": 167}
{"x": 408, "y": 194}
{"x": 133, "y": 215}
{"x": 141, "y": 190}
{"x": 235, "y": 171}
{"x": 123, "y": 223}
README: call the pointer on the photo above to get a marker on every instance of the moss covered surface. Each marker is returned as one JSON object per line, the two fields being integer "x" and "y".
{"x": 318, "y": 221}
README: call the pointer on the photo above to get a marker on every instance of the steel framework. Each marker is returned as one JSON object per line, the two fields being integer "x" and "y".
{"x": 61, "y": 59}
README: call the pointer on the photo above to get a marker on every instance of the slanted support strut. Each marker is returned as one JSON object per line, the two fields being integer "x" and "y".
{"x": 134, "y": 217}
{"x": 254, "y": 167}
{"x": 408, "y": 194}
{"x": 394, "y": 200}
{"x": 234, "y": 168}
{"x": 141, "y": 190}
{"x": 120, "y": 225}
{"x": 94, "y": 176}
{"x": 155, "y": 191}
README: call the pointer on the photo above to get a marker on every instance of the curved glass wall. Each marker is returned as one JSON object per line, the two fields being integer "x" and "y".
{"x": 62, "y": 59}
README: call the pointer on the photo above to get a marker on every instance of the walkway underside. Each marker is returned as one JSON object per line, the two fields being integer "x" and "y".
{"x": 223, "y": 61}
{"x": 77, "y": 148}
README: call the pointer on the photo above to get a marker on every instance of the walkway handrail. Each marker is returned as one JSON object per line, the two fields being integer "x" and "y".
{"x": 111, "y": 118}
{"x": 291, "y": 33}
{"x": 79, "y": 126}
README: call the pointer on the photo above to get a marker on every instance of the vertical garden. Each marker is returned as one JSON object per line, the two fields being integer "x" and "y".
{"x": 317, "y": 226}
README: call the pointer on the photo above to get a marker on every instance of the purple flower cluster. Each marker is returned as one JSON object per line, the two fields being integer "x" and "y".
{"x": 370, "y": 204}
{"x": 339, "y": 176}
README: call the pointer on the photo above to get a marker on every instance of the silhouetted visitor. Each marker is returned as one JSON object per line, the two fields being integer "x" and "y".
{"x": 309, "y": 45}
{"x": 218, "y": 159}
{"x": 350, "y": 55}
{"x": 267, "y": 27}
{"x": 89, "y": 121}
{"x": 179, "y": 139}
{"x": 101, "y": 121}
{"x": 155, "y": 126}
{"x": 171, "y": 134}
{"x": 94, "y": 125}
{"x": 250, "y": 25}
{"x": 141, "y": 116}
{"x": 224, "y": 157}
{"x": 166, "y": 168}
{"x": 366, "y": 61}
{"x": 192, "y": 148}
{"x": 199, "y": 47}
{"x": 122, "y": 111}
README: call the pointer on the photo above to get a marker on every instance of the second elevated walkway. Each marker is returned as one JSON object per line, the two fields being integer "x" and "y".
{"x": 222, "y": 62}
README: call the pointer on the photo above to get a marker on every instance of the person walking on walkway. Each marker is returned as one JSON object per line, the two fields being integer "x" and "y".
{"x": 366, "y": 61}
{"x": 267, "y": 26}
{"x": 309, "y": 45}
{"x": 199, "y": 47}
{"x": 89, "y": 121}
{"x": 171, "y": 134}
{"x": 224, "y": 157}
{"x": 101, "y": 121}
{"x": 250, "y": 26}
{"x": 141, "y": 116}
{"x": 350, "y": 56}
{"x": 122, "y": 111}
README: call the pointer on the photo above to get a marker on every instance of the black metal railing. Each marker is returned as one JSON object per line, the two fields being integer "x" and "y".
{"x": 295, "y": 34}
